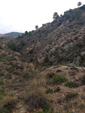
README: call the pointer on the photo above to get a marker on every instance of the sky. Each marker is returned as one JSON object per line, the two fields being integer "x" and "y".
{"x": 24, "y": 15}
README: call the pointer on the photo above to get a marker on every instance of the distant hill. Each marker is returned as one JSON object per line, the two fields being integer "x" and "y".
{"x": 1, "y": 35}
{"x": 11, "y": 34}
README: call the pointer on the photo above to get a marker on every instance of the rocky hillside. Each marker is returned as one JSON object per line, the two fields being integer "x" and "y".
{"x": 62, "y": 41}
{"x": 43, "y": 71}
{"x": 26, "y": 88}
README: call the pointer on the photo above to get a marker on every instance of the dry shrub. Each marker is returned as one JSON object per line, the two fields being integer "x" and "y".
{"x": 8, "y": 107}
{"x": 37, "y": 100}
{"x": 50, "y": 75}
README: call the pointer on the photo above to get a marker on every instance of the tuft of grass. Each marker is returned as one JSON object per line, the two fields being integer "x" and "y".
{"x": 49, "y": 90}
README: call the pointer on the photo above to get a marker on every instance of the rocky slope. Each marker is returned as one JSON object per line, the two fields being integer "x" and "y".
{"x": 38, "y": 70}
{"x": 62, "y": 41}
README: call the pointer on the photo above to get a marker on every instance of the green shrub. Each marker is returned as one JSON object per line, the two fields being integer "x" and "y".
{"x": 46, "y": 60}
{"x": 72, "y": 84}
{"x": 67, "y": 16}
{"x": 1, "y": 82}
{"x": 81, "y": 21}
{"x": 78, "y": 13}
{"x": 1, "y": 59}
{"x": 50, "y": 110}
{"x": 29, "y": 33}
{"x": 1, "y": 74}
{"x": 22, "y": 67}
{"x": 2, "y": 91}
{"x": 83, "y": 80}
{"x": 12, "y": 46}
{"x": 26, "y": 75}
{"x": 5, "y": 110}
{"x": 16, "y": 73}
{"x": 31, "y": 51}
{"x": 58, "y": 79}
{"x": 0, "y": 47}
{"x": 26, "y": 32}
{"x": 22, "y": 43}
{"x": 31, "y": 59}
{"x": 8, "y": 107}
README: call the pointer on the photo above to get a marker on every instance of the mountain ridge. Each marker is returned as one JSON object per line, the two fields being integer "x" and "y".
{"x": 11, "y": 34}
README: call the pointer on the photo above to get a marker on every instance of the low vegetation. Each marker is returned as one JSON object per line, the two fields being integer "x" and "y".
{"x": 37, "y": 100}
{"x": 72, "y": 84}
{"x": 83, "y": 80}
{"x": 58, "y": 79}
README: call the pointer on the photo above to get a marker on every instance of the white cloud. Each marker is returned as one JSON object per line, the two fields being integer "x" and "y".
{"x": 21, "y": 15}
